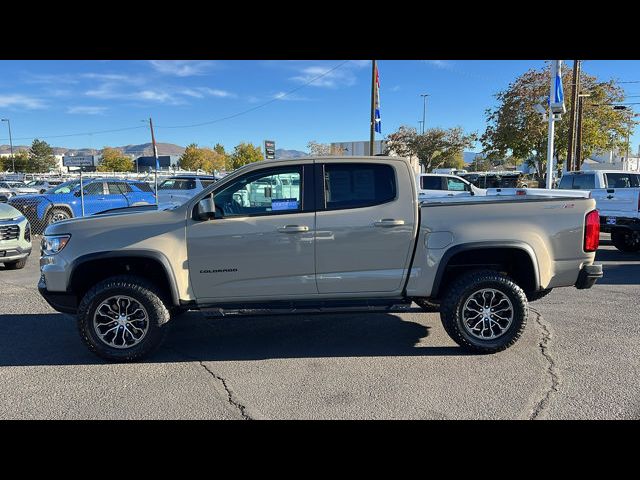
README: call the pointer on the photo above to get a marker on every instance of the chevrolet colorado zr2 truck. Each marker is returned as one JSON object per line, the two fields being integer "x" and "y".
{"x": 352, "y": 236}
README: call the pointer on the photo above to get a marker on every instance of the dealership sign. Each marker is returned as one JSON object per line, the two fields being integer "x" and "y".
{"x": 79, "y": 161}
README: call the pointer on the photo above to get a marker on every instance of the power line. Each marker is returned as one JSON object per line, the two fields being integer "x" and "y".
{"x": 279, "y": 97}
{"x": 228, "y": 117}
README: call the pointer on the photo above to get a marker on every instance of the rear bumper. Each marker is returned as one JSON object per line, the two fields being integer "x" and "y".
{"x": 588, "y": 276}
{"x": 621, "y": 222}
{"x": 61, "y": 301}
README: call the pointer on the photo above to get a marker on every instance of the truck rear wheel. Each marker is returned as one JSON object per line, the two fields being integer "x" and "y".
{"x": 626, "y": 240}
{"x": 123, "y": 318}
{"x": 484, "y": 311}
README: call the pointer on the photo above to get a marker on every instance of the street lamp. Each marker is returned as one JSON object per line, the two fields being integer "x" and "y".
{"x": 424, "y": 109}
{"x": 13, "y": 160}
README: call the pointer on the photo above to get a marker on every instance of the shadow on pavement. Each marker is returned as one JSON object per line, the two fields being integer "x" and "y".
{"x": 52, "y": 339}
{"x": 617, "y": 256}
{"x": 620, "y": 275}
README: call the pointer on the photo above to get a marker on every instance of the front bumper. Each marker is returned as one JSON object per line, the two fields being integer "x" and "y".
{"x": 61, "y": 301}
{"x": 588, "y": 276}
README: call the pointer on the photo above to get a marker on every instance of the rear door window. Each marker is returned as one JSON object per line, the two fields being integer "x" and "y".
{"x": 431, "y": 183}
{"x": 95, "y": 188}
{"x": 356, "y": 185}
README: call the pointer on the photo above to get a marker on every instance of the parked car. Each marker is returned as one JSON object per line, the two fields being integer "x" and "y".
{"x": 355, "y": 237}
{"x": 64, "y": 202}
{"x": 15, "y": 238}
{"x": 181, "y": 188}
{"x": 617, "y": 195}
{"x": 18, "y": 188}
{"x": 437, "y": 185}
{"x": 5, "y": 194}
{"x": 43, "y": 185}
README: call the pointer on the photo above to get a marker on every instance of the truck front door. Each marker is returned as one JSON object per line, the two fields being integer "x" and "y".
{"x": 365, "y": 226}
{"x": 259, "y": 246}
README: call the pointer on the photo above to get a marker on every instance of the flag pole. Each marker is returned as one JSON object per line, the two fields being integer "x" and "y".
{"x": 155, "y": 155}
{"x": 373, "y": 107}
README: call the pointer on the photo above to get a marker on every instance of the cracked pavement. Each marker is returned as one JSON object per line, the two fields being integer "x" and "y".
{"x": 579, "y": 358}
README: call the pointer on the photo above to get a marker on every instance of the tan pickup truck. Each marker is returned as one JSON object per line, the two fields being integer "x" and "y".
{"x": 348, "y": 235}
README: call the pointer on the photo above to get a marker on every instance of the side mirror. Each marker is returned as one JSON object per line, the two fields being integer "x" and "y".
{"x": 205, "y": 210}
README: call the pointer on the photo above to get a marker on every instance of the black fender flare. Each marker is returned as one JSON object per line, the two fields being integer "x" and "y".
{"x": 138, "y": 253}
{"x": 513, "y": 244}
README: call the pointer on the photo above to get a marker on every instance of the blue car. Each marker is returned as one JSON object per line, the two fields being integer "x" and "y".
{"x": 63, "y": 201}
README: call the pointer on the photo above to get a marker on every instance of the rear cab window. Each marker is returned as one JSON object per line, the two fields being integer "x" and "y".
{"x": 580, "y": 181}
{"x": 622, "y": 180}
{"x": 357, "y": 185}
{"x": 178, "y": 184}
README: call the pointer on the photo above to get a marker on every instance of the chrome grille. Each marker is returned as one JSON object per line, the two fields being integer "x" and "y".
{"x": 9, "y": 232}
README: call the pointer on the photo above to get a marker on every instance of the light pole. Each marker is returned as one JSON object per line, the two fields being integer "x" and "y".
{"x": 420, "y": 123}
{"x": 424, "y": 109}
{"x": 13, "y": 160}
{"x": 578, "y": 153}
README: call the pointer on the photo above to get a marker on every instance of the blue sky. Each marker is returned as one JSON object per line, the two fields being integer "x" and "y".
{"x": 49, "y": 98}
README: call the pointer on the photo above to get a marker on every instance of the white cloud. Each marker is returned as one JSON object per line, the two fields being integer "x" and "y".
{"x": 442, "y": 64}
{"x": 202, "y": 92}
{"x": 86, "y": 110}
{"x": 115, "y": 78}
{"x": 292, "y": 97}
{"x": 329, "y": 78}
{"x": 20, "y": 101}
{"x": 181, "y": 68}
{"x": 361, "y": 63}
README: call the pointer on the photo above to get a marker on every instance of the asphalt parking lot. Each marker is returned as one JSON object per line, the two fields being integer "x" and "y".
{"x": 578, "y": 359}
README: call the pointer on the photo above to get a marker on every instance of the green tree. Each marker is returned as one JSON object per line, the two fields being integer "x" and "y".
{"x": 435, "y": 148}
{"x": 514, "y": 126}
{"x": 243, "y": 154}
{"x": 115, "y": 161}
{"x": 20, "y": 158}
{"x": 41, "y": 158}
{"x": 192, "y": 158}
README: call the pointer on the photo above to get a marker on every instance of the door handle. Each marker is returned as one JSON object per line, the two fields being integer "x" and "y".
{"x": 293, "y": 229}
{"x": 609, "y": 197}
{"x": 388, "y": 222}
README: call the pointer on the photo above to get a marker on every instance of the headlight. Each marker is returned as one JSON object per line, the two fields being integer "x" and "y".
{"x": 18, "y": 218}
{"x": 52, "y": 244}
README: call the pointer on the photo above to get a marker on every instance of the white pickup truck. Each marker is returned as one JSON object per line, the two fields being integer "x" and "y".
{"x": 432, "y": 185}
{"x": 617, "y": 196}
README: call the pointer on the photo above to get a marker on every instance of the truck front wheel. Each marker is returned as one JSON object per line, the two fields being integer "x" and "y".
{"x": 626, "y": 240}
{"x": 123, "y": 318}
{"x": 484, "y": 311}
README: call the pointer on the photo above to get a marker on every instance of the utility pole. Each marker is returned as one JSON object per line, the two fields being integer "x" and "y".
{"x": 13, "y": 160}
{"x": 420, "y": 123}
{"x": 578, "y": 157}
{"x": 575, "y": 88}
{"x": 424, "y": 109}
{"x": 155, "y": 155}
{"x": 372, "y": 133}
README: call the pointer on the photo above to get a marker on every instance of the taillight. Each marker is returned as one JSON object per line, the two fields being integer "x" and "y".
{"x": 592, "y": 231}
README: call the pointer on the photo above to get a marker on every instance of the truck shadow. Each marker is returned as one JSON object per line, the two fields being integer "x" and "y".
{"x": 52, "y": 339}
{"x": 625, "y": 270}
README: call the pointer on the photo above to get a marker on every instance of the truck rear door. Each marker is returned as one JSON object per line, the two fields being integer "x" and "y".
{"x": 366, "y": 224}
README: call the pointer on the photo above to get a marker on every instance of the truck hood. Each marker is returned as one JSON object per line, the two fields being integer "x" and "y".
{"x": 119, "y": 220}
{"x": 7, "y": 212}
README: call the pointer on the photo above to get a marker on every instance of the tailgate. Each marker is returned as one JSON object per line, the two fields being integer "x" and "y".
{"x": 618, "y": 202}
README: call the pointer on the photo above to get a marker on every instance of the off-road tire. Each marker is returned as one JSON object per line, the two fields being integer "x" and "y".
{"x": 142, "y": 291}
{"x": 461, "y": 289}
{"x": 428, "y": 305}
{"x": 533, "y": 296}
{"x": 621, "y": 239}
{"x": 17, "y": 265}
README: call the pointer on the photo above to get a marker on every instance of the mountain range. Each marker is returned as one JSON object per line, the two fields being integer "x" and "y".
{"x": 142, "y": 149}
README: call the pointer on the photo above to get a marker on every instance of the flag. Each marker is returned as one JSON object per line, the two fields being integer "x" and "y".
{"x": 155, "y": 154}
{"x": 378, "y": 123}
{"x": 557, "y": 105}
